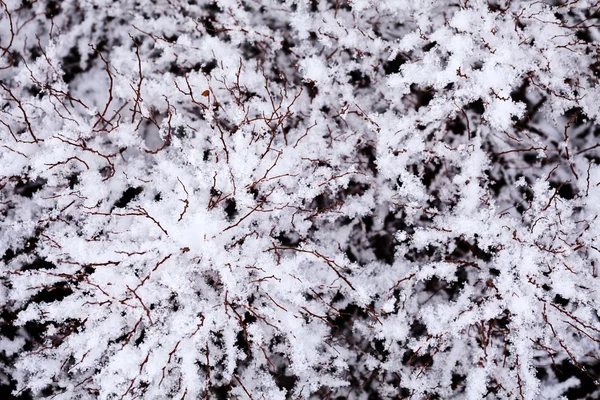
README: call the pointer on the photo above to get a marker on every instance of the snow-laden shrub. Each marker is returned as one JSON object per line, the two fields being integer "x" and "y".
{"x": 299, "y": 199}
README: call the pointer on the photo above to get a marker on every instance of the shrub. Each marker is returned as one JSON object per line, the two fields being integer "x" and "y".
{"x": 299, "y": 199}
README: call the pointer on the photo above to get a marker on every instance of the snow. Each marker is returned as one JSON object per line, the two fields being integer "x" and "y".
{"x": 283, "y": 199}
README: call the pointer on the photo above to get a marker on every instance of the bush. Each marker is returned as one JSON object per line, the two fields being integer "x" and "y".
{"x": 299, "y": 199}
